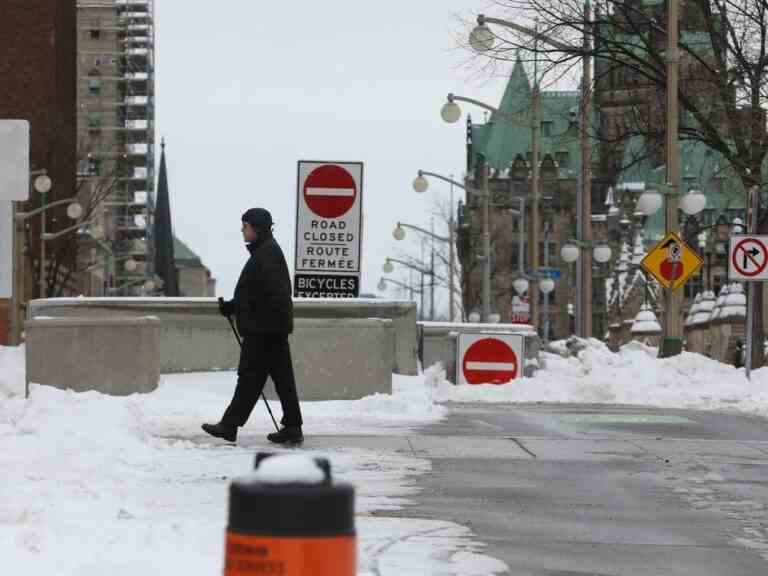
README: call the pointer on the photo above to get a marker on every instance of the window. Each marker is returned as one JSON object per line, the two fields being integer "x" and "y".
{"x": 562, "y": 159}
{"x": 93, "y": 167}
{"x": 94, "y": 120}
{"x": 94, "y": 86}
{"x": 95, "y": 34}
{"x": 546, "y": 129}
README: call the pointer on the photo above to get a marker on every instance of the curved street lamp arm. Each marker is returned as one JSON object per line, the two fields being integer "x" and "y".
{"x": 105, "y": 261}
{"x": 511, "y": 118}
{"x": 423, "y": 231}
{"x": 68, "y": 230}
{"x": 401, "y": 284}
{"x": 453, "y": 98}
{"x": 443, "y": 178}
{"x": 471, "y": 191}
{"x": 425, "y": 271}
{"x": 483, "y": 19}
{"x": 25, "y": 215}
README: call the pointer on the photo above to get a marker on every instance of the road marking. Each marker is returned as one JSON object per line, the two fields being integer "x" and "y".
{"x": 627, "y": 419}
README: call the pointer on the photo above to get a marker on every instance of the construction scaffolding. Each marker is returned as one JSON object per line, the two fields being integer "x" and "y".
{"x": 116, "y": 143}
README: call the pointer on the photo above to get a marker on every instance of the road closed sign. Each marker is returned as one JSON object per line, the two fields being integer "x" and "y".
{"x": 489, "y": 358}
{"x": 329, "y": 228}
{"x": 748, "y": 258}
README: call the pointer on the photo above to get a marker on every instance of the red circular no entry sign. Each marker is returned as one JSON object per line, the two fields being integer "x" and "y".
{"x": 330, "y": 191}
{"x": 489, "y": 361}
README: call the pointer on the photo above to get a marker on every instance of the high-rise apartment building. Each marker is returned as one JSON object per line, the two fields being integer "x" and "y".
{"x": 116, "y": 143}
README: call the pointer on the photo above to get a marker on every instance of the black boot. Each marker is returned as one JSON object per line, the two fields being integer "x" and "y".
{"x": 287, "y": 435}
{"x": 221, "y": 430}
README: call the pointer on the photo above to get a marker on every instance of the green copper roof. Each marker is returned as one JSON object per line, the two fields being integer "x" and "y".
{"x": 501, "y": 140}
{"x": 183, "y": 255}
{"x": 700, "y": 167}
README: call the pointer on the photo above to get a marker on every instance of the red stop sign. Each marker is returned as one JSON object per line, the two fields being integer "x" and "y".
{"x": 489, "y": 361}
{"x": 330, "y": 191}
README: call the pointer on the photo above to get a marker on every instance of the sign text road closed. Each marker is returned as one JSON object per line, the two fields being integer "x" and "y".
{"x": 328, "y": 229}
{"x": 489, "y": 358}
{"x": 748, "y": 258}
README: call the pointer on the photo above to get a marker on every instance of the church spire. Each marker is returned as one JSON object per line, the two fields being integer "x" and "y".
{"x": 165, "y": 263}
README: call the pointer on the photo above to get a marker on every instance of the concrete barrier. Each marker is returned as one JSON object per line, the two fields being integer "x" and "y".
{"x": 194, "y": 337}
{"x": 342, "y": 359}
{"x": 117, "y": 356}
{"x": 439, "y": 340}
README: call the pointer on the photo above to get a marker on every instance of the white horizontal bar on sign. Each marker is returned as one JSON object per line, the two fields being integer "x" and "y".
{"x": 491, "y": 366}
{"x": 330, "y": 191}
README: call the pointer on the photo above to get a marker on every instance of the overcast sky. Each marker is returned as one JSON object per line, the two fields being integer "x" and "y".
{"x": 246, "y": 89}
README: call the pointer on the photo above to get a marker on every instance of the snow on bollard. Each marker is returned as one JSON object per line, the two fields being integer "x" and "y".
{"x": 289, "y": 518}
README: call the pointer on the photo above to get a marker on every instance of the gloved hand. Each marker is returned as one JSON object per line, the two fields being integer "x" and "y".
{"x": 226, "y": 309}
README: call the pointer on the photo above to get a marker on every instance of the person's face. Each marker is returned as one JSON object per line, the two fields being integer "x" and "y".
{"x": 249, "y": 234}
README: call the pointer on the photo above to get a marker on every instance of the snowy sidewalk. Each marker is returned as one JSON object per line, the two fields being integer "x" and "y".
{"x": 94, "y": 484}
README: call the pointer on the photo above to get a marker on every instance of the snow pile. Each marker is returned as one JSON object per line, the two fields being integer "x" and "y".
{"x": 287, "y": 469}
{"x": 411, "y": 404}
{"x": 94, "y": 484}
{"x": 11, "y": 371}
{"x": 633, "y": 376}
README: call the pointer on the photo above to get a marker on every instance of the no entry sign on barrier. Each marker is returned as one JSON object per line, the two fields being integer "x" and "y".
{"x": 489, "y": 358}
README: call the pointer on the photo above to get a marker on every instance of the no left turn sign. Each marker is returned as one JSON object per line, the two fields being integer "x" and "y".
{"x": 748, "y": 258}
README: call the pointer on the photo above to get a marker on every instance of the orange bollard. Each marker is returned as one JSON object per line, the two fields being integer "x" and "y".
{"x": 290, "y": 519}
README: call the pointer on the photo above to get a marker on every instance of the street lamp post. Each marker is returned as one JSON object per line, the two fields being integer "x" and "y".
{"x": 388, "y": 267}
{"x": 672, "y": 342}
{"x": 691, "y": 203}
{"x": 43, "y": 186}
{"x": 420, "y": 184}
{"x": 399, "y": 235}
{"x": 481, "y": 40}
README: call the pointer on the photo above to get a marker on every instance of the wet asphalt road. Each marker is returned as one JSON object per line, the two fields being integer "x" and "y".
{"x": 567, "y": 490}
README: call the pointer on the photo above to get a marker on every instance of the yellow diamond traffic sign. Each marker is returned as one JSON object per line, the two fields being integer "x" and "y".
{"x": 672, "y": 262}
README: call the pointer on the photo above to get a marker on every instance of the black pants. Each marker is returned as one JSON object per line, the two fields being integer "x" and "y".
{"x": 263, "y": 356}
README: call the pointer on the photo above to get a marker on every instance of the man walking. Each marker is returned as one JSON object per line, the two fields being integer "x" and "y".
{"x": 263, "y": 310}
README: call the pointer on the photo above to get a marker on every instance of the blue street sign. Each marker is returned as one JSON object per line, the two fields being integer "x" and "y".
{"x": 542, "y": 272}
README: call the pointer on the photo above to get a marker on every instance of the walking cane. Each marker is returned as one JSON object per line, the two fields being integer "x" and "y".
{"x": 240, "y": 343}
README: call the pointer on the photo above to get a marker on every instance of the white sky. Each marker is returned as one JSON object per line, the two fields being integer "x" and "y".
{"x": 245, "y": 89}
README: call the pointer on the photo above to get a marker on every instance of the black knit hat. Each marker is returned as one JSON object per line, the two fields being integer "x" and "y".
{"x": 258, "y": 218}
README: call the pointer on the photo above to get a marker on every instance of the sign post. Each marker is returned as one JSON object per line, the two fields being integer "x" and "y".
{"x": 748, "y": 262}
{"x": 329, "y": 229}
{"x": 489, "y": 358}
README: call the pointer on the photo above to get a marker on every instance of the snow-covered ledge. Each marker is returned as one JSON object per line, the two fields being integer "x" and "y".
{"x": 194, "y": 337}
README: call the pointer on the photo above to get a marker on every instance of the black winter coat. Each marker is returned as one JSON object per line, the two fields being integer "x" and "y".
{"x": 262, "y": 302}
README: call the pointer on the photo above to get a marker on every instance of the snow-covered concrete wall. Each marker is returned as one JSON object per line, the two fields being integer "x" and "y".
{"x": 117, "y": 356}
{"x": 195, "y": 338}
{"x": 335, "y": 357}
